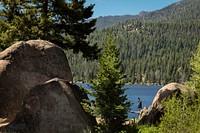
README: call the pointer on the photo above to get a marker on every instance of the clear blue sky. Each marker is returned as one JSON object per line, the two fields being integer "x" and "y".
{"x": 123, "y": 7}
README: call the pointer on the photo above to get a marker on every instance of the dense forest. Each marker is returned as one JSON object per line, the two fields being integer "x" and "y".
{"x": 150, "y": 51}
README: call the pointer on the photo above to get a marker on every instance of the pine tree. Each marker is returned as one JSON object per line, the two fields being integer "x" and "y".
{"x": 62, "y": 22}
{"x": 110, "y": 101}
{"x": 195, "y": 65}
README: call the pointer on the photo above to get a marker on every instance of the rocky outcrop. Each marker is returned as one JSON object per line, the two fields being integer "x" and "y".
{"x": 51, "y": 108}
{"x": 155, "y": 111}
{"x": 24, "y": 65}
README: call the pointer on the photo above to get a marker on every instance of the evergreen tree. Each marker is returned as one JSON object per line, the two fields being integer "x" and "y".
{"x": 181, "y": 115}
{"x": 195, "y": 65}
{"x": 110, "y": 101}
{"x": 62, "y": 22}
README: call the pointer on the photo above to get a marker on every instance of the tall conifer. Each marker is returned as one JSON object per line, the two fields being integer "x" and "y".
{"x": 62, "y": 22}
{"x": 110, "y": 101}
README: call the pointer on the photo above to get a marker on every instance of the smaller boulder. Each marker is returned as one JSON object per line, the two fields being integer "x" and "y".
{"x": 51, "y": 108}
{"x": 155, "y": 111}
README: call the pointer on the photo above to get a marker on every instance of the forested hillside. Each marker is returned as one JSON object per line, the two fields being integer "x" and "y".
{"x": 151, "y": 51}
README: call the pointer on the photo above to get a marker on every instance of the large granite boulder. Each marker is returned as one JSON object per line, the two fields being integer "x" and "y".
{"x": 51, "y": 108}
{"x": 155, "y": 111}
{"x": 24, "y": 65}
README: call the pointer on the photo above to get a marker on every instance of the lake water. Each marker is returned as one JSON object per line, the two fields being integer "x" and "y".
{"x": 146, "y": 94}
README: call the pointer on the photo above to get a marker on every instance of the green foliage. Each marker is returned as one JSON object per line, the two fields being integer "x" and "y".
{"x": 110, "y": 101}
{"x": 181, "y": 115}
{"x": 130, "y": 129}
{"x": 147, "y": 129}
{"x": 60, "y": 22}
{"x": 195, "y": 65}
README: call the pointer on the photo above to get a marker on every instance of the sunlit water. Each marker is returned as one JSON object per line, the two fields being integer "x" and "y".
{"x": 146, "y": 94}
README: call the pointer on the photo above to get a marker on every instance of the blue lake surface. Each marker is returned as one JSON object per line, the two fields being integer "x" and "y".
{"x": 146, "y": 94}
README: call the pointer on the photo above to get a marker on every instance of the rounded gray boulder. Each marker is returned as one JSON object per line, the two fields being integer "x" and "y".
{"x": 24, "y": 65}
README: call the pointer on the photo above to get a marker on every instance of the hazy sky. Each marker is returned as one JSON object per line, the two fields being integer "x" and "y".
{"x": 122, "y": 7}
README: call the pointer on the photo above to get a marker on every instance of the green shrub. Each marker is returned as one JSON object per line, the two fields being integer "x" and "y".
{"x": 181, "y": 115}
{"x": 148, "y": 129}
{"x": 130, "y": 129}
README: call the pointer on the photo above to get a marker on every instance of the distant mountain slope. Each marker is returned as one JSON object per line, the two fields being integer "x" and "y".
{"x": 105, "y": 22}
{"x": 179, "y": 11}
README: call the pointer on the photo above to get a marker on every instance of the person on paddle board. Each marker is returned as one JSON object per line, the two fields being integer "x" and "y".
{"x": 139, "y": 104}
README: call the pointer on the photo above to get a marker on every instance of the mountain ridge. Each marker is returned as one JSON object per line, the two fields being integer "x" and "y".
{"x": 178, "y": 11}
